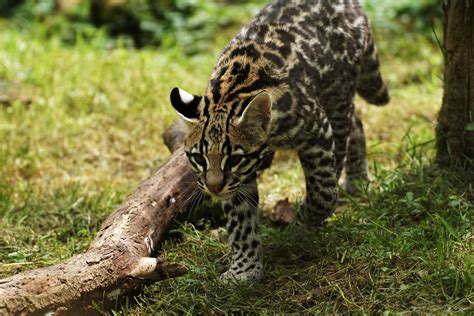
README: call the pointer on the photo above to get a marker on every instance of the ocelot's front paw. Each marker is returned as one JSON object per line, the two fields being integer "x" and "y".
{"x": 253, "y": 273}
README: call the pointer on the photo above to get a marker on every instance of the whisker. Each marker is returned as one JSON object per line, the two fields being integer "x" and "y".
{"x": 248, "y": 197}
{"x": 185, "y": 202}
{"x": 241, "y": 198}
{"x": 190, "y": 200}
{"x": 196, "y": 201}
{"x": 251, "y": 194}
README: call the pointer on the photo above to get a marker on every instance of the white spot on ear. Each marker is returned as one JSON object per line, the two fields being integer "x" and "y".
{"x": 194, "y": 150}
{"x": 186, "y": 97}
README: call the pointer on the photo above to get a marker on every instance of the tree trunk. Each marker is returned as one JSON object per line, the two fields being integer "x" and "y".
{"x": 119, "y": 260}
{"x": 455, "y": 130}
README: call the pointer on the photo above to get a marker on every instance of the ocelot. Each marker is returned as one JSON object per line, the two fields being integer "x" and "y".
{"x": 287, "y": 80}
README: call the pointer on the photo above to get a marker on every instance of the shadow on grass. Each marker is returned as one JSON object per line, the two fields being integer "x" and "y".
{"x": 404, "y": 245}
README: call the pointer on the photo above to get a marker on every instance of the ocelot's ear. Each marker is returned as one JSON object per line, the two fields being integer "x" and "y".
{"x": 258, "y": 113}
{"x": 185, "y": 104}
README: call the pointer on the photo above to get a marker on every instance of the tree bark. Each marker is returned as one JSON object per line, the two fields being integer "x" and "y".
{"x": 119, "y": 260}
{"x": 455, "y": 130}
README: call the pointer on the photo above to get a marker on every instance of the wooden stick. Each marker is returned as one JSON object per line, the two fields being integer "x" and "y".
{"x": 121, "y": 257}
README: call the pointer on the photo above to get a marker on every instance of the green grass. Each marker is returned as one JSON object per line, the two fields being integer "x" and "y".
{"x": 93, "y": 131}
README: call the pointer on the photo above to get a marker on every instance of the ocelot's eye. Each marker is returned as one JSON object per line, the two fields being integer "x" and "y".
{"x": 234, "y": 160}
{"x": 199, "y": 159}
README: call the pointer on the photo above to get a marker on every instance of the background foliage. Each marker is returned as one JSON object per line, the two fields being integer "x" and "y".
{"x": 188, "y": 23}
{"x": 138, "y": 23}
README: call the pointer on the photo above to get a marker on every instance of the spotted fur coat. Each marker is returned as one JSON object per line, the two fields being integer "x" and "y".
{"x": 287, "y": 80}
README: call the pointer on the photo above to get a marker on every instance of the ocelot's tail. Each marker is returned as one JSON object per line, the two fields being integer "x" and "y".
{"x": 370, "y": 85}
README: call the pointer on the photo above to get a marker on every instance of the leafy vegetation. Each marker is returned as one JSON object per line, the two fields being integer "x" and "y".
{"x": 187, "y": 23}
{"x": 93, "y": 130}
{"x": 416, "y": 17}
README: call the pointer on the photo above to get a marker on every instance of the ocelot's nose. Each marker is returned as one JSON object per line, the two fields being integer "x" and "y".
{"x": 214, "y": 177}
{"x": 215, "y": 187}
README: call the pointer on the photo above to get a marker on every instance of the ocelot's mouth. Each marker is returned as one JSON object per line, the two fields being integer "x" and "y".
{"x": 221, "y": 196}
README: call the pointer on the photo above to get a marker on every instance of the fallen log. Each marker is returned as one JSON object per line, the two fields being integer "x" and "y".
{"x": 121, "y": 257}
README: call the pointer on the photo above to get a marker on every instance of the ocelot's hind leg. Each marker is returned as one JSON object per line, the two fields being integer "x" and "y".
{"x": 319, "y": 166}
{"x": 356, "y": 170}
{"x": 341, "y": 123}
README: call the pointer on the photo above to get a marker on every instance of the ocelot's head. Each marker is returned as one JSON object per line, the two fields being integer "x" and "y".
{"x": 225, "y": 143}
